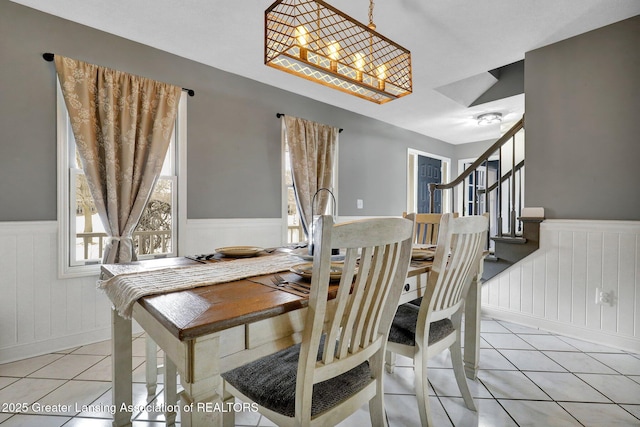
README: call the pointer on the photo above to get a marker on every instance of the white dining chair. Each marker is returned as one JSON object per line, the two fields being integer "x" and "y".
{"x": 338, "y": 366}
{"x": 421, "y": 332}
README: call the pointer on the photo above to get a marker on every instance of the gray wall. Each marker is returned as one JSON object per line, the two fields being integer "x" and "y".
{"x": 234, "y": 136}
{"x": 582, "y": 126}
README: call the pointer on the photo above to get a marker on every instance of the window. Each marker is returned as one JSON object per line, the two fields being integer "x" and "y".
{"x": 81, "y": 235}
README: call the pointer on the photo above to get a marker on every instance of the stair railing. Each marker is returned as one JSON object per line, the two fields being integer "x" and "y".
{"x": 500, "y": 196}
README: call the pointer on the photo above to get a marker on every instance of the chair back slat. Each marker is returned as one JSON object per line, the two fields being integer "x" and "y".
{"x": 388, "y": 268}
{"x": 427, "y": 227}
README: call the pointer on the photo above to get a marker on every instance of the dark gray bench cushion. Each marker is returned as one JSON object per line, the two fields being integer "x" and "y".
{"x": 403, "y": 328}
{"x": 271, "y": 382}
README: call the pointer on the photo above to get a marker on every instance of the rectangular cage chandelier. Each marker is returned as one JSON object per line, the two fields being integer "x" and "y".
{"x": 313, "y": 40}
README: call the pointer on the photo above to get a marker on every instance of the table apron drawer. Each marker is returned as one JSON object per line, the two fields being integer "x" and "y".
{"x": 275, "y": 328}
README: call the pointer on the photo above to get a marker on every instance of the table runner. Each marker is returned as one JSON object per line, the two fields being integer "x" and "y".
{"x": 125, "y": 289}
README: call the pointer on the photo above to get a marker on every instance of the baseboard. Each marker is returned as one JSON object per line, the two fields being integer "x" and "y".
{"x": 51, "y": 345}
{"x": 630, "y": 344}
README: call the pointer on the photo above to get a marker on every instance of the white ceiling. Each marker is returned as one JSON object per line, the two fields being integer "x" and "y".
{"x": 450, "y": 41}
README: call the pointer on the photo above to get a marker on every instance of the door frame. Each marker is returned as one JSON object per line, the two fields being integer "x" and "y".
{"x": 412, "y": 178}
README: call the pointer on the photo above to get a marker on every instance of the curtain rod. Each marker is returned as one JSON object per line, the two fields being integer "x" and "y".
{"x": 49, "y": 58}
{"x": 278, "y": 115}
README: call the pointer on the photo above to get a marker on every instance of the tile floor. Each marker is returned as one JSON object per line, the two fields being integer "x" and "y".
{"x": 527, "y": 378}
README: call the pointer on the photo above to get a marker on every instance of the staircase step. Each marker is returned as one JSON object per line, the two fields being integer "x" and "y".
{"x": 493, "y": 267}
{"x": 512, "y": 240}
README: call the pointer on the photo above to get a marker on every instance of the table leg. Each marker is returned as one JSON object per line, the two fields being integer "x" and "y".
{"x": 151, "y": 371}
{"x": 170, "y": 390}
{"x": 121, "y": 369}
{"x": 201, "y": 400}
{"x": 472, "y": 330}
{"x": 229, "y": 418}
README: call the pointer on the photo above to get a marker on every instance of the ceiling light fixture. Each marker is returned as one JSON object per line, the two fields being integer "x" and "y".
{"x": 313, "y": 40}
{"x": 489, "y": 118}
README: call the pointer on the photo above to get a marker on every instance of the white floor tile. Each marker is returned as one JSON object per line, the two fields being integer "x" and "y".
{"x": 529, "y": 413}
{"x": 402, "y": 381}
{"x": 489, "y": 413}
{"x": 266, "y": 422}
{"x": 402, "y": 411}
{"x": 22, "y": 420}
{"x": 359, "y": 418}
{"x": 493, "y": 326}
{"x": 102, "y": 348}
{"x": 89, "y": 422}
{"x": 626, "y": 364}
{"x": 247, "y": 417}
{"x": 22, "y": 368}
{"x": 511, "y": 385}
{"x": 74, "y": 395}
{"x": 531, "y": 360}
{"x": 5, "y": 381}
{"x": 101, "y": 371}
{"x": 599, "y": 414}
{"x": 99, "y": 408}
{"x": 67, "y": 367}
{"x": 441, "y": 360}
{"x": 633, "y": 409}
{"x": 507, "y": 341}
{"x": 579, "y": 362}
{"x": 587, "y": 346}
{"x": 444, "y": 384}
{"x": 28, "y": 390}
{"x": 566, "y": 387}
{"x": 492, "y": 359}
{"x": 520, "y": 329}
{"x": 547, "y": 342}
{"x": 618, "y": 388}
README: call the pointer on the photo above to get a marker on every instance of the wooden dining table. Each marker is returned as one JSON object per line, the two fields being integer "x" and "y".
{"x": 205, "y": 331}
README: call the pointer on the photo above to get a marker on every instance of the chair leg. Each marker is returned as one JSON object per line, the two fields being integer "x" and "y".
{"x": 376, "y": 404}
{"x": 390, "y": 361}
{"x": 422, "y": 388}
{"x": 458, "y": 370}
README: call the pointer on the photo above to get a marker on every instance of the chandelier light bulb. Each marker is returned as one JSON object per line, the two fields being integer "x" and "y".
{"x": 334, "y": 55}
{"x": 301, "y": 37}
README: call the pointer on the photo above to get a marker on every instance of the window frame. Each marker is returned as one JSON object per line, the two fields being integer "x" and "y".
{"x": 68, "y": 268}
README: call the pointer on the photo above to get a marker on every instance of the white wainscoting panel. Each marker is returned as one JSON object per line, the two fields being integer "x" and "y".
{"x": 555, "y": 287}
{"x": 40, "y": 313}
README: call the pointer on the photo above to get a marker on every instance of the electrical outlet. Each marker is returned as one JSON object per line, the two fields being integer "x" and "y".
{"x": 603, "y": 297}
{"x": 359, "y": 203}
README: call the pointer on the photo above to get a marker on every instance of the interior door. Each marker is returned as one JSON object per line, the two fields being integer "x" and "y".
{"x": 429, "y": 171}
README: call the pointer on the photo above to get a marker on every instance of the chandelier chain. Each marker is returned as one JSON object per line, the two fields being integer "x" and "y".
{"x": 371, "y": 12}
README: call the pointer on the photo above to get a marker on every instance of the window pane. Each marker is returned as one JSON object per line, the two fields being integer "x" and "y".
{"x": 294, "y": 227}
{"x": 90, "y": 235}
{"x": 153, "y": 234}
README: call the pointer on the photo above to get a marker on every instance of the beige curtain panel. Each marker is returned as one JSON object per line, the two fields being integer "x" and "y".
{"x": 312, "y": 148}
{"x": 122, "y": 125}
